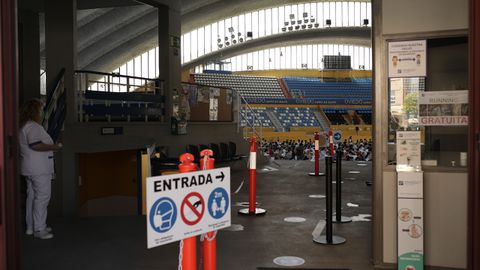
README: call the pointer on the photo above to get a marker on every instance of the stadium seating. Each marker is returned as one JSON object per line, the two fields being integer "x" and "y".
{"x": 316, "y": 88}
{"x": 296, "y": 117}
{"x": 336, "y": 116}
{"x": 108, "y": 106}
{"x": 252, "y": 87}
{"x": 260, "y": 117}
{"x": 366, "y": 115}
{"x": 289, "y": 117}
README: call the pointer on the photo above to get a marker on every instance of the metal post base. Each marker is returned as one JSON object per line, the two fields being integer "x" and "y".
{"x": 313, "y": 174}
{"x": 336, "y": 240}
{"x": 342, "y": 220}
{"x": 258, "y": 211}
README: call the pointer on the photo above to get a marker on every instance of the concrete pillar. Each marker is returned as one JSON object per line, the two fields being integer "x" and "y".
{"x": 60, "y": 47}
{"x": 29, "y": 54}
{"x": 169, "y": 32}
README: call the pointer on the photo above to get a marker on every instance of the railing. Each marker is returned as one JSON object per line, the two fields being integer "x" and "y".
{"x": 110, "y": 97}
{"x": 250, "y": 128}
{"x": 55, "y": 108}
{"x": 117, "y": 83}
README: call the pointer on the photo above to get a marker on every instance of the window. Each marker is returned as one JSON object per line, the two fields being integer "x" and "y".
{"x": 445, "y": 142}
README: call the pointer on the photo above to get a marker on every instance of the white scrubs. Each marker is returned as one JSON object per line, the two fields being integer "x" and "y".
{"x": 37, "y": 167}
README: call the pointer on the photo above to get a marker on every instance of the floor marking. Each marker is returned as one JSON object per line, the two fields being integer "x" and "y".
{"x": 239, "y": 187}
{"x": 294, "y": 219}
{"x": 317, "y": 196}
{"x": 362, "y": 217}
{"x": 319, "y": 228}
{"x": 352, "y": 205}
{"x": 268, "y": 169}
{"x": 288, "y": 261}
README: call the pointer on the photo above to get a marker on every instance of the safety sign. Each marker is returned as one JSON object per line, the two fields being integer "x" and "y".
{"x": 337, "y": 136}
{"x": 218, "y": 203}
{"x": 193, "y": 207}
{"x": 187, "y": 204}
{"x": 163, "y": 215}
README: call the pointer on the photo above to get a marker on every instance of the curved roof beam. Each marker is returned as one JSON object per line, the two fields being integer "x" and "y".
{"x": 118, "y": 38}
{"x": 211, "y": 11}
{"x": 125, "y": 51}
{"x": 360, "y": 36}
{"x": 113, "y": 21}
{"x": 86, "y": 16}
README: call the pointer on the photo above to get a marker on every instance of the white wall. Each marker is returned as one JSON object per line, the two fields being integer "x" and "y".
{"x": 445, "y": 205}
{"x": 409, "y": 16}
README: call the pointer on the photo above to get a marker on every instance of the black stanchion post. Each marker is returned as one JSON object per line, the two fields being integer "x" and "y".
{"x": 329, "y": 238}
{"x": 328, "y": 187}
{"x": 338, "y": 197}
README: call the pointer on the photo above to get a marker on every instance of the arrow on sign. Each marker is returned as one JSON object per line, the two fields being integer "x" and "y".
{"x": 222, "y": 176}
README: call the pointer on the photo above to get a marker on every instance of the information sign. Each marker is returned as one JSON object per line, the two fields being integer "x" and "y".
{"x": 443, "y": 108}
{"x": 410, "y": 234}
{"x": 407, "y": 59}
{"x": 410, "y": 184}
{"x": 188, "y": 204}
{"x": 408, "y": 151}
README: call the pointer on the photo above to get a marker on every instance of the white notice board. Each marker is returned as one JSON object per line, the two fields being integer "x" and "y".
{"x": 410, "y": 234}
{"x": 186, "y": 205}
{"x": 410, "y": 185}
{"x": 409, "y": 151}
{"x": 407, "y": 59}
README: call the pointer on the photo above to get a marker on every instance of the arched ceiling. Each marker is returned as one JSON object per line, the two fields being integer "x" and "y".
{"x": 359, "y": 36}
{"x": 111, "y": 32}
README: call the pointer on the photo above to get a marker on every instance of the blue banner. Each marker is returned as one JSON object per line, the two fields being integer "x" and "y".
{"x": 332, "y": 101}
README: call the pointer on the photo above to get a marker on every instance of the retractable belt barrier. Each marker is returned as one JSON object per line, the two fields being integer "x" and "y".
{"x": 209, "y": 242}
{"x": 329, "y": 238}
{"x": 252, "y": 209}
{"x": 188, "y": 246}
{"x": 317, "y": 156}
{"x": 338, "y": 190}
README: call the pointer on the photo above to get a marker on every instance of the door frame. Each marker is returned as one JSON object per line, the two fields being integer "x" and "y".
{"x": 9, "y": 178}
{"x": 474, "y": 139}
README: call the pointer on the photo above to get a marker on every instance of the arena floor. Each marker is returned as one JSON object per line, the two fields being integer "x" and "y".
{"x": 283, "y": 190}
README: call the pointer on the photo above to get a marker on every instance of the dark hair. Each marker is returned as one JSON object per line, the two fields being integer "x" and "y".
{"x": 30, "y": 110}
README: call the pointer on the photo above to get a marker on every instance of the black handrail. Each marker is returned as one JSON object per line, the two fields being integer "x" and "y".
{"x": 50, "y": 93}
{"x": 113, "y": 74}
{"x": 206, "y": 85}
{"x": 55, "y": 107}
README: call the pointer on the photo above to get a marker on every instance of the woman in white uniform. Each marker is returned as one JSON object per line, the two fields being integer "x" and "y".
{"x": 36, "y": 158}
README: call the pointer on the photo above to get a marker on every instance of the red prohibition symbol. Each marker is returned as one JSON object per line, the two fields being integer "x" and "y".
{"x": 193, "y": 207}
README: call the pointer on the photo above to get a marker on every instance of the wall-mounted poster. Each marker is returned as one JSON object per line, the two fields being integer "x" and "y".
{"x": 410, "y": 184}
{"x": 203, "y": 94}
{"x": 229, "y": 96}
{"x": 443, "y": 108}
{"x": 213, "y": 112}
{"x": 410, "y": 234}
{"x": 409, "y": 151}
{"x": 407, "y": 59}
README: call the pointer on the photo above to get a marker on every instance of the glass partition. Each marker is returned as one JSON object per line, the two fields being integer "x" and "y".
{"x": 436, "y": 105}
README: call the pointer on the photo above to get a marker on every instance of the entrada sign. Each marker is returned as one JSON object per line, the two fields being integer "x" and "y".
{"x": 188, "y": 204}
